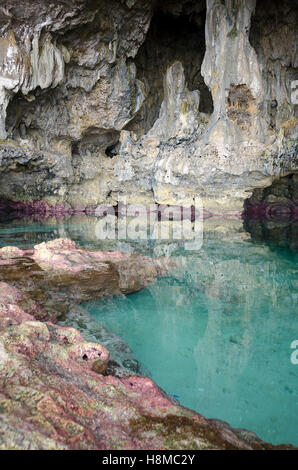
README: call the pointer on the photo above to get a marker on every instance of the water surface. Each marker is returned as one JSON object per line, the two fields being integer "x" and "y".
{"x": 216, "y": 332}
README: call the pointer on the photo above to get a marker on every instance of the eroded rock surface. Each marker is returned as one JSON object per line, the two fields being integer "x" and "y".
{"x": 57, "y": 272}
{"x": 123, "y": 361}
{"x": 53, "y": 395}
{"x": 94, "y": 103}
{"x": 272, "y": 213}
{"x": 49, "y": 281}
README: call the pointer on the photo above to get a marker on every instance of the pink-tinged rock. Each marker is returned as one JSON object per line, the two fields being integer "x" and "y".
{"x": 39, "y": 208}
{"x": 10, "y": 252}
{"x": 12, "y": 298}
{"x": 51, "y": 398}
{"x": 54, "y": 393}
{"x": 81, "y": 274}
{"x": 12, "y": 314}
{"x": 10, "y": 294}
{"x": 62, "y": 255}
{"x": 148, "y": 391}
{"x": 89, "y": 352}
{"x": 270, "y": 211}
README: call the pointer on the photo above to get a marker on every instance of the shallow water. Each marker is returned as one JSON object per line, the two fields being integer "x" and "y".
{"x": 216, "y": 333}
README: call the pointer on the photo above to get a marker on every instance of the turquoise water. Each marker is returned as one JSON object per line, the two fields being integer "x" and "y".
{"x": 216, "y": 333}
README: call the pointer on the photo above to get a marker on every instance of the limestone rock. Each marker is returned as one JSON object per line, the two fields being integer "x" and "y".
{"x": 158, "y": 101}
{"x": 123, "y": 361}
{"x": 179, "y": 111}
{"x": 84, "y": 275}
{"x": 51, "y": 398}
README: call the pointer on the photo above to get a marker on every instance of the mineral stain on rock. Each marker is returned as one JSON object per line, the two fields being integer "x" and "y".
{"x": 57, "y": 391}
{"x": 162, "y": 102}
{"x": 241, "y": 105}
{"x": 100, "y": 367}
{"x": 93, "y": 102}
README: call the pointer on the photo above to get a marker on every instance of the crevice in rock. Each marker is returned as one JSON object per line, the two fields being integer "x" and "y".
{"x": 113, "y": 150}
{"x": 24, "y": 113}
{"x": 14, "y": 124}
{"x": 271, "y": 214}
{"x": 175, "y": 34}
{"x": 283, "y": 191}
{"x": 97, "y": 142}
{"x": 273, "y": 36}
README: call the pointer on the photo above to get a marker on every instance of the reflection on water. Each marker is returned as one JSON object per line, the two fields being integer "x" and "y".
{"x": 217, "y": 332}
{"x": 281, "y": 233}
{"x": 218, "y": 335}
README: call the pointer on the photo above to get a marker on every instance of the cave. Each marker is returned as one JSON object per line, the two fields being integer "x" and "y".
{"x": 145, "y": 302}
{"x": 174, "y": 35}
{"x": 270, "y": 214}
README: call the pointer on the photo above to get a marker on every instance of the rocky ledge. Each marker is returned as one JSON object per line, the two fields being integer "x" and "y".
{"x": 49, "y": 280}
{"x": 57, "y": 273}
{"x": 59, "y": 391}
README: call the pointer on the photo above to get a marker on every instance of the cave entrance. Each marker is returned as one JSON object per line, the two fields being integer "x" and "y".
{"x": 283, "y": 192}
{"x": 176, "y": 33}
{"x": 271, "y": 213}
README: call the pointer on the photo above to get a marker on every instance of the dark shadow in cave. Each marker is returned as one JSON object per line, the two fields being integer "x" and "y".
{"x": 271, "y": 214}
{"x": 16, "y": 108}
{"x": 170, "y": 38}
{"x": 273, "y": 37}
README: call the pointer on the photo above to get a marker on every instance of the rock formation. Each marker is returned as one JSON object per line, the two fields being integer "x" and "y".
{"x": 154, "y": 101}
{"x": 58, "y": 391}
{"x": 49, "y": 281}
{"x": 83, "y": 275}
{"x": 160, "y": 101}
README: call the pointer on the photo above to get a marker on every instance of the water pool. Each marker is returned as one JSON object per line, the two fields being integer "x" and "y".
{"x": 216, "y": 333}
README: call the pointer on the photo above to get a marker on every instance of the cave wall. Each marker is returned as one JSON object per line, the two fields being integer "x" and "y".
{"x": 153, "y": 100}
{"x": 271, "y": 213}
{"x": 170, "y": 38}
{"x": 274, "y": 38}
{"x": 67, "y": 89}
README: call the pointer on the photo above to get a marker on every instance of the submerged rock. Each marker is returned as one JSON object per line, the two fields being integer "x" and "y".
{"x": 72, "y": 274}
{"x": 49, "y": 280}
{"x": 52, "y": 396}
{"x": 100, "y": 367}
{"x": 123, "y": 361}
{"x": 271, "y": 214}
